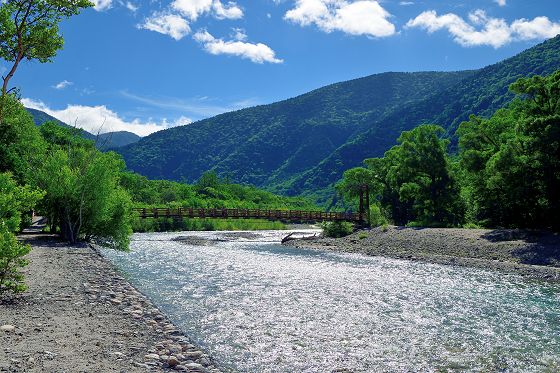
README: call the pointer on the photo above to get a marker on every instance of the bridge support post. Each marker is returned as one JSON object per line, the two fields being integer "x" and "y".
{"x": 364, "y": 206}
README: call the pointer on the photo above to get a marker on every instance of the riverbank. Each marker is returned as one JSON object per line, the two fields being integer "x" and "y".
{"x": 530, "y": 254}
{"x": 80, "y": 315}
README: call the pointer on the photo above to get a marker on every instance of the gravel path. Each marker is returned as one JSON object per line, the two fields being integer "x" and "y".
{"x": 531, "y": 254}
{"x": 80, "y": 315}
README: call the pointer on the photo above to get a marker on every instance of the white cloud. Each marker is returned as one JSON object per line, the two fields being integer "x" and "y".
{"x": 538, "y": 28}
{"x": 168, "y": 24}
{"x": 193, "y": 9}
{"x": 406, "y": 3}
{"x": 363, "y": 17}
{"x": 101, "y": 5}
{"x": 63, "y": 84}
{"x": 258, "y": 53}
{"x": 231, "y": 11}
{"x": 500, "y": 2}
{"x": 484, "y": 30}
{"x": 130, "y": 6}
{"x": 96, "y": 119}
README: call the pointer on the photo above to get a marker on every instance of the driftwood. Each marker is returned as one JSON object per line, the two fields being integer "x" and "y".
{"x": 290, "y": 238}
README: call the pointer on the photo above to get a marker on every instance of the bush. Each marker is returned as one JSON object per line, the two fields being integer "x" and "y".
{"x": 11, "y": 261}
{"x": 337, "y": 229}
{"x": 376, "y": 216}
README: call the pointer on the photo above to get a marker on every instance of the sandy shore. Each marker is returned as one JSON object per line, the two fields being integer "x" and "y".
{"x": 80, "y": 315}
{"x": 531, "y": 254}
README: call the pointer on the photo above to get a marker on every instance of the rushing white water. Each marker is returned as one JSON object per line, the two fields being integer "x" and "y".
{"x": 260, "y": 307}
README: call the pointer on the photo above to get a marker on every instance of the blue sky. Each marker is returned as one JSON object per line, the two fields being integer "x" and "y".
{"x": 148, "y": 65}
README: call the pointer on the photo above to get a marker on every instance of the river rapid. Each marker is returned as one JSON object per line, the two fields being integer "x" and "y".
{"x": 257, "y": 306}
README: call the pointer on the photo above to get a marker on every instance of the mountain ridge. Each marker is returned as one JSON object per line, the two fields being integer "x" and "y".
{"x": 302, "y": 145}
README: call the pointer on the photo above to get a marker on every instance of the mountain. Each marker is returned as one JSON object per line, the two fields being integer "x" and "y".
{"x": 304, "y": 144}
{"x": 109, "y": 140}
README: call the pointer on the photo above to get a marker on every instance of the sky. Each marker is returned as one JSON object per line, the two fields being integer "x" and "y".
{"x": 143, "y": 66}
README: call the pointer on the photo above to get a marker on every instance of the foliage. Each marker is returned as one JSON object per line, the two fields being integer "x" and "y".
{"x": 11, "y": 261}
{"x": 209, "y": 192}
{"x": 413, "y": 181}
{"x": 303, "y": 145}
{"x": 337, "y": 229}
{"x": 83, "y": 195}
{"x": 377, "y": 216}
{"x": 21, "y": 145}
{"x": 511, "y": 162}
{"x": 14, "y": 201}
{"x": 507, "y": 172}
{"x": 29, "y": 31}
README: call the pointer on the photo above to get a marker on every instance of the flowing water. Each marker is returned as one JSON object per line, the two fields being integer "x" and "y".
{"x": 257, "y": 306}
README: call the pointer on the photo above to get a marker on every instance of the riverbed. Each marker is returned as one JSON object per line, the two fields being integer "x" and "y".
{"x": 258, "y": 306}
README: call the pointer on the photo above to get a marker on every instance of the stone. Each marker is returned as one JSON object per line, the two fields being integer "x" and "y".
{"x": 172, "y": 361}
{"x": 192, "y": 354}
{"x": 195, "y": 366}
{"x": 175, "y": 349}
{"x": 8, "y": 328}
{"x": 151, "y": 357}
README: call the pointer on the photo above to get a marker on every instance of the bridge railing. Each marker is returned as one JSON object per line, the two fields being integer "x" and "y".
{"x": 285, "y": 215}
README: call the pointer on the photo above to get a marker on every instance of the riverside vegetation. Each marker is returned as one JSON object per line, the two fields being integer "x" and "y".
{"x": 505, "y": 174}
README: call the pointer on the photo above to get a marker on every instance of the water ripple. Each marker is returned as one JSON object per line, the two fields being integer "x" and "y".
{"x": 262, "y": 307}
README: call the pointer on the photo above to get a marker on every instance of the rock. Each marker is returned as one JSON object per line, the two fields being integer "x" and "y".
{"x": 151, "y": 357}
{"x": 195, "y": 367}
{"x": 172, "y": 361}
{"x": 8, "y": 328}
{"x": 192, "y": 354}
{"x": 175, "y": 349}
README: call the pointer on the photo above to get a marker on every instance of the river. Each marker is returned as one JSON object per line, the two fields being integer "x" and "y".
{"x": 257, "y": 306}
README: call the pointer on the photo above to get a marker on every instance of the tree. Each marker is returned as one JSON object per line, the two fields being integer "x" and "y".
{"x": 29, "y": 31}
{"x": 510, "y": 163}
{"x": 22, "y": 147}
{"x": 84, "y": 198}
{"x": 14, "y": 201}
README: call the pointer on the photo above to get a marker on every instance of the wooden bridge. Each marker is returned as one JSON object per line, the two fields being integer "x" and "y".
{"x": 282, "y": 215}
{"x": 360, "y": 218}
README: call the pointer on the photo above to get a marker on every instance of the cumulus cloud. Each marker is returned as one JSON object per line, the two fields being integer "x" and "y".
{"x": 101, "y": 5}
{"x": 363, "y": 17}
{"x": 193, "y": 9}
{"x": 258, "y": 53}
{"x": 500, "y": 2}
{"x": 101, "y": 119}
{"x": 484, "y": 30}
{"x": 63, "y": 84}
{"x": 168, "y": 24}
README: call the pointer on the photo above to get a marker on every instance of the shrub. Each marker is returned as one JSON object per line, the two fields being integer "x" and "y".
{"x": 337, "y": 229}
{"x": 376, "y": 216}
{"x": 11, "y": 262}
{"x": 363, "y": 235}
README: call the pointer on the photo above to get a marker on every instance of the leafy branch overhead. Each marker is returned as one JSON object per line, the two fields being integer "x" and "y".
{"x": 29, "y": 30}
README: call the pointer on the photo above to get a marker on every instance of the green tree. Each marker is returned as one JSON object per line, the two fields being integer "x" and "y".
{"x": 84, "y": 197}
{"x": 29, "y": 30}
{"x": 21, "y": 146}
{"x": 510, "y": 163}
{"x": 14, "y": 201}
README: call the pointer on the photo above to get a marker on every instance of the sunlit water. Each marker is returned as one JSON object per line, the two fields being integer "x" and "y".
{"x": 262, "y": 307}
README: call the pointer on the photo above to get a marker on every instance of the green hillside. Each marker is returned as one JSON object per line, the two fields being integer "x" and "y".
{"x": 302, "y": 145}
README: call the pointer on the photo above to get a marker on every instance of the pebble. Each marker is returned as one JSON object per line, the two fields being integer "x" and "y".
{"x": 8, "y": 328}
{"x": 151, "y": 357}
{"x": 172, "y": 361}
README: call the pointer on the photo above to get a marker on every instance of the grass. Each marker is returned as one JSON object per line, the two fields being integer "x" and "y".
{"x": 170, "y": 225}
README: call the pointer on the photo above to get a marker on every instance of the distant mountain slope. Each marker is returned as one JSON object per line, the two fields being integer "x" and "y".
{"x": 283, "y": 138}
{"x": 302, "y": 145}
{"x": 108, "y": 140}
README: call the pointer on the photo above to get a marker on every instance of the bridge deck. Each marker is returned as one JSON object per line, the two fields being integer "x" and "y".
{"x": 283, "y": 215}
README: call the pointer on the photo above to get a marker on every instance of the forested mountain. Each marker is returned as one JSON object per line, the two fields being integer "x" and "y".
{"x": 105, "y": 141}
{"x": 302, "y": 145}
